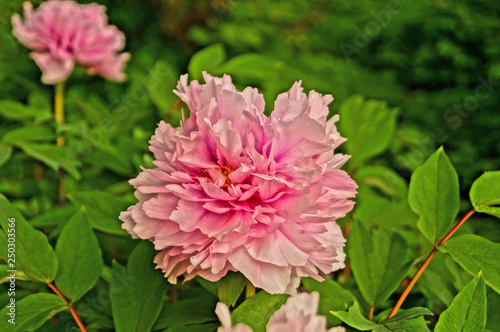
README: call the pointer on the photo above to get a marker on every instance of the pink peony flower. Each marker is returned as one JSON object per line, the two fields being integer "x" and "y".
{"x": 224, "y": 315}
{"x": 299, "y": 314}
{"x": 61, "y": 33}
{"x": 236, "y": 190}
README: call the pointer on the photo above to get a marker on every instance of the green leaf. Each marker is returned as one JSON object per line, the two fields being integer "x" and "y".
{"x": 80, "y": 258}
{"x": 14, "y": 110}
{"x": 5, "y": 153}
{"x": 205, "y": 60}
{"x": 31, "y": 312}
{"x": 467, "y": 312}
{"x": 434, "y": 196}
{"x": 404, "y": 320}
{"x": 187, "y": 312}
{"x": 110, "y": 157}
{"x": 409, "y": 314}
{"x": 332, "y": 297}
{"x": 53, "y": 156}
{"x": 230, "y": 287}
{"x": 31, "y": 133}
{"x": 136, "y": 304}
{"x": 369, "y": 125}
{"x": 53, "y": 217}
{"x": 493, "y": 303}
{"x": 256, "y": 310}
{"x": 161, "y": 81}
{"x": 434, "y": 286}
{"x": 256, "y": 66}
{"x": 382, "y": 197}
{"x": 101, "y": 209}
{"x": 91, "y": 109}
{"x": 379, "y": 262}
{"x": 209, "y": 286}
{"x": 34, "y": 255}
{"x": 475, "y": 253}
{"x": 354, "y": 318}
{"x": 485, "y": 193}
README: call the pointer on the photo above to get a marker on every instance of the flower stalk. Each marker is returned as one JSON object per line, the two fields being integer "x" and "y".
{"x": 59, "y": 117}
{"x": 426, "y": 263}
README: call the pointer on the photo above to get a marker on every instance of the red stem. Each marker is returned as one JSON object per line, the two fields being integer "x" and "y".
{"x": 71, "y": 308}
{"x": 447, "y": 237}
{"x": 426, "y": 262}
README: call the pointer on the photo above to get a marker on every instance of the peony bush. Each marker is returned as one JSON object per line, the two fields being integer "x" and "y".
{"x": 240, "y": 215}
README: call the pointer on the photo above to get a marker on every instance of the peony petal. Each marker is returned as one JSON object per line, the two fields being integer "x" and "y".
{"x": 272, "y": 278}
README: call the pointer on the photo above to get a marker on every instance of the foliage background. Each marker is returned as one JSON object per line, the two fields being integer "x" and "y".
{"x": 426, "y": 60}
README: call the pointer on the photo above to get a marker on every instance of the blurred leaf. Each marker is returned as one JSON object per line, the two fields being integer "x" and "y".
{"x": 186, "y": 313}
{"x": 205, "y": 60}
{"x": 369, "y": 125}
{"x": 230, "y": 287}
{"x": 32, "y": 311}
{"x": 493, "y": 301}
{"x": 434, "y": 196}
{"x": 461, "y": 276}
{"x": 53, "y": 217}
{"x": 404, "y": 320}
{"x": 53, "y": 156}
{"x": 136, "y": 304}
{"x": 14, "y": 110}
{"x": 256, "y": 66}
{"x": 379, "y": 262}
{"x": 161, "y": 81}
{"x": 209, "y": 286}
{"x": 40, "y": 100}
{"x": 30, "y": 133}
{"x": 110, "y": 157}
{"x": 91, "y": 113}
{"x": 382, "y": 197}
{"x": 384, "y": 179}
{"x": 255, "y": 311}
{"x": 485, "y": 193}
{"x": 475, "y": 253}
{"x": 78, "y": 128}
{"x": 333, "y": 296}
{"x": 101, "y": 209}
{"x": 5, "y": 153}
{"x": 467, "y": 312}
{"x": 434, "y": 286}
{"x": 80, "y": 258}
{"x": 34, "y": 255}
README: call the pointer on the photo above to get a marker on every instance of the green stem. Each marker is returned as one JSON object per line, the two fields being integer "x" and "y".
{"x": 59, "y": 116}
{"x": 426, "y": 263}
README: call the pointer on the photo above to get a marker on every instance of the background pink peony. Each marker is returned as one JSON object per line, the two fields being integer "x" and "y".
{"x": 300, "y": 313}
{"x": 62, "y": 33}
{"x": 237, "y": 190}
